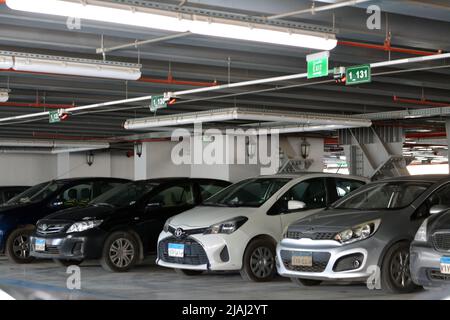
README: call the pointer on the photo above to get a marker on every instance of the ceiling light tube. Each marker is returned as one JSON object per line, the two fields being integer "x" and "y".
{"x": 177, "y": 22}
{"x": 74, "y": 66}
{"x": 6, "y": 62}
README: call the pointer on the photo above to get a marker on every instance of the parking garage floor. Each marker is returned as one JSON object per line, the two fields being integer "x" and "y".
{"x": 46, "y": 280}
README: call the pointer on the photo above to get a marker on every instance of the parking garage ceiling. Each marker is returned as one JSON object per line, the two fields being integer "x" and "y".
{"x": 200, "y": 61}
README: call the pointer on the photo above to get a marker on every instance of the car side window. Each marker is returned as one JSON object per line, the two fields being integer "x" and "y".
{"x": 76, "y": 195}
{"x": 174, "y": 196}
{"x": 345, "y": 186}
{"x": 312, "y": 192}
{"x": 103, "y": 186}
{"x": 209, "y": 188}
{"x": 439, "y": 197}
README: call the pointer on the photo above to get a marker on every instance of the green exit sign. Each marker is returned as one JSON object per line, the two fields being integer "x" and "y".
{"x": 318, "y": 64}
{"x": 358, "y": 74}
{"x": 53, "y": 117}
{"x": 158, "y": 102}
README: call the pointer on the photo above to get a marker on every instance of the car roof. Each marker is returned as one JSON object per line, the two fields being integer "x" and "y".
{"x": 71, "y": 180}
{"x": 314, "y": 174}
{"x": 175, "y": 179}
{"x": 422, "y": 178}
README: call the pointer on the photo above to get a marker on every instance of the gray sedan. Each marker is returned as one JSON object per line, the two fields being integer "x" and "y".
{"x": 365, "y": 236}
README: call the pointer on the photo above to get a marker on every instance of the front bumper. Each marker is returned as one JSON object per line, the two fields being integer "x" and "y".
{"x": 77, "y": 246}
{"x": 425, "y": 266}
{"x": 215, "y": 252}
{"x": 327, "y": 255}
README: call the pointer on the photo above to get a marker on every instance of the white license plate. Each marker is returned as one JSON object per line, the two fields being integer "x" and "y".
{"x": 302, "y": 259}
{"x": 445, "y": 265}
{"x": 39, "y": 245}
{"x": 176, "y": 250}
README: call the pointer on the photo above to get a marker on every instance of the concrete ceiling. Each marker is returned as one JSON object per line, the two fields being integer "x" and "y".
{"x": 412, "y": 24}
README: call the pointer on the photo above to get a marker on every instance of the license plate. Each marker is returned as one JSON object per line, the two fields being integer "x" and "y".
{"x": 445, "y": 265}
{"x": 302, "y": 259}
{"x": 39, "y": 245}
{"x": 176, "y": 250}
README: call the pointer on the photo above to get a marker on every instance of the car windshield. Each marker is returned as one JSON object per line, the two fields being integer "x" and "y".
{"x": 247, "y": 193}
{"x": 125, "y": 194}
{"x": 381, "y": 196}
{"x": 35, "y": 194}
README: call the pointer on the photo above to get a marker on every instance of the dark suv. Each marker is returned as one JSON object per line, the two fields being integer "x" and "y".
{"x": 19, "y": 215}
{"x": 121, "y": 226}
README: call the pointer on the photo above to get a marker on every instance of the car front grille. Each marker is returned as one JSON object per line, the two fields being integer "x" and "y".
{"x": 313, "y": 236}
{"x": 51, "y": 228}
{"x": 441, "y": 240}
{"x": 436, "y": 275}
{"x": 194, "y": 254}
{"x": 320, "y": 261}
{"x": 187, "y": 232}
{"x": 48, "y": 249}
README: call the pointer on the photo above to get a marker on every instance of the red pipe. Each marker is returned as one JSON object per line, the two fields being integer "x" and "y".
{"x": 421, "y": 102}
{"x": 422, "y": 135}
{"x": 387, "y": 47}
{"x": 37, "y": 105}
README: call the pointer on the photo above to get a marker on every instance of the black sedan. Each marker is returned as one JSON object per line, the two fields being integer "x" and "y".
{"x": 19, "y": 215}
{"x": 9, "y": 192}
{"x": 121, "y": 226}
{"x": 430, "y": 250}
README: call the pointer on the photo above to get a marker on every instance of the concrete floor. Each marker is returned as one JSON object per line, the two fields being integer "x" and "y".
{"x": 46, "y": 280}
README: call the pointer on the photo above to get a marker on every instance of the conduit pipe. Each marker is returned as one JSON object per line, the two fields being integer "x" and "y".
{"x": 421, "y": 102}
{"x": 37, "y": 105}
{"x": 386, "y": 47}
{"x": 315, "y": 9}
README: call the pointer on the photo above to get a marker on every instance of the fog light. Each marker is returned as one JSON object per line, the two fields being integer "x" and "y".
{"x": 350, "y": 262}
{"x": 356, "y": 264}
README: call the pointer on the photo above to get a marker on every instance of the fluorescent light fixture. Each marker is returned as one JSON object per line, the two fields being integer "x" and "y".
{"x": 322, "y": 121}
{"x": 177, "y": 22}
{"x": 72, "y": 66}
{"x": 6, "y": 62}
{"x": 4, "y": 95}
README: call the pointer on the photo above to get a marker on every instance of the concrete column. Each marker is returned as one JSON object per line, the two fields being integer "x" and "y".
{"x": 447, "y": 128}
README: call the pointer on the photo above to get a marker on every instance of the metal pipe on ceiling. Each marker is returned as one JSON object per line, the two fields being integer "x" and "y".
{"x": 315, "y": 9}
{"x": 386, "y": 47}
{"x": 37, "y": 105}
{"x": 421, "y": 102}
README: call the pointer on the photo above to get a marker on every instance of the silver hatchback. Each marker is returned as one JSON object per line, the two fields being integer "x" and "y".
{"x": 366, "y": 235}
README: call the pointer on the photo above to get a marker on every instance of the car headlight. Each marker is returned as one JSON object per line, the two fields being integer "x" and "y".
{"x": 421, "y": 234}
{"x": 226, "y": 227}
{"x": 83, "y": 226}
{"x": 358, "y": 233}
{"x": 167, "y": 224}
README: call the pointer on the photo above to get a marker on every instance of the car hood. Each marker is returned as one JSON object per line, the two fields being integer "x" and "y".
{"x": 82, "y": 213}
{"x": 16, "y": 208}
{"x": 336, "y": 220}
{"x": 205, "y": 216}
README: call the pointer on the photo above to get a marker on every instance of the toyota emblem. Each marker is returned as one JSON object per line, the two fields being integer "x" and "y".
{"x": 44, "y": 227}
{"x": 179, "y": 232}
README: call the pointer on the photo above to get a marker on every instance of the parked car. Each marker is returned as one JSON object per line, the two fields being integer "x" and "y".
{"x": 370, "y": 228}
{"x": 121, "y": 226}
{"x": 238, "y": 228}
{"x": 430, "y": 250}
{"x": 19, "y": 215}
{"x": 6, "y": 193}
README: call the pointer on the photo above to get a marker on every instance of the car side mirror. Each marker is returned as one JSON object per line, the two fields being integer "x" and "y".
{"x": 438, "y": 209}
{"x": 296, "y": 205}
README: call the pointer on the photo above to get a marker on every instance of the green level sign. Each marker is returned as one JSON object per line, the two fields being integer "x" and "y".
{"x": 158, "y": 102}
{"x": 358, "y": 74}
{"x": 53, "y": 116}
{"x": 318, "y": 64}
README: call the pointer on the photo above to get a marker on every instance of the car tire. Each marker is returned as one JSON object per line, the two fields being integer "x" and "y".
{"x": 259, "y": 261}
{"x": 189, "y": 273}
{"x": 18, "y": 246}
{"x": 395, "y": 272}
{"x": 67, "y": 262}
{"x": 306, "y": 282}
{"x": 120, "y": 252}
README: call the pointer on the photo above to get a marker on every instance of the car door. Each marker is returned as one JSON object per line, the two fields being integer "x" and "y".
{"x": 162, "y": 204}
{"x": 312, "y": 192}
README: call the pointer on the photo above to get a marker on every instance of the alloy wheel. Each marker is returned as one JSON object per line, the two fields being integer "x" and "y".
{"x": 262, "y": 262}
{"x": 21, "y": 246}
{"x": 121, "y": 252}
{"x": 400, "y": 272}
